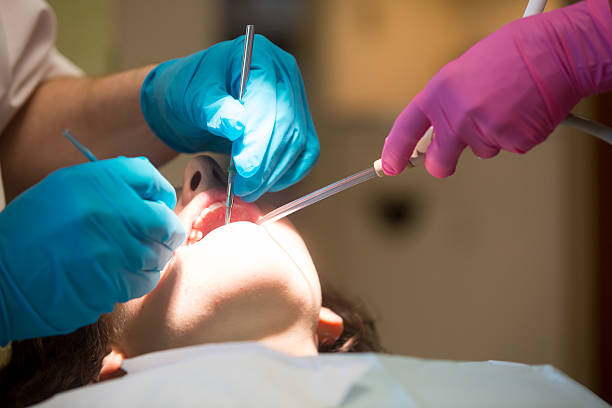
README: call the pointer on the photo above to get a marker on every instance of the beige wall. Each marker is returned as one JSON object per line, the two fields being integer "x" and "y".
{"x": 498, "y": 261}
{"x": 495, "y": 262}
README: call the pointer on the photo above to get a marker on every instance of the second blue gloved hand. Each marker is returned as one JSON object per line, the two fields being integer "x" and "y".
{"x": 190, "y": 104}
{"x": 79, "y": 241}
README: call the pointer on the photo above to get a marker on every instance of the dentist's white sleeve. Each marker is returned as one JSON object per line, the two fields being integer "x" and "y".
{"x": 27, "y": 55}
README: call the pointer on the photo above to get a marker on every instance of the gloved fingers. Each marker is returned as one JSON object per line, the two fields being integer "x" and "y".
{"x": 478, "y": 141}
{"x": 286, "y": 155}
{"x": 208, "y": 96}
{"x": 302, "y": 165}
{"x": 121, "y": 285}
{"x": 482, "y": 149}
{"x": 225, "y": 115}
{"x": 283, "y": 151}
{"x": 260, "y": 100}
{"x": 222, "y": 115}
{"x": 309, "y": 155}
{"x": 408, "y": 128}
{"x": 143, "y": 178}
{"x": 300, "y": 168}
{"x": 217, "y": 145}
{"x": 517, "y": 144}
{"x": 163, "y": 226}
{"x": 139, "y": 283}
{"x": 289, "y": 136}
{"x": 279, "y": 144}
{"x": 150, "y": 235}
{"x": 248, "y": 188}
{"x": 443, "y": 153}
{"x": 525, "y": 137}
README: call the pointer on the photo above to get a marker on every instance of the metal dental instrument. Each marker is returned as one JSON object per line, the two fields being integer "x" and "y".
{"x": 418, "y": 156}
{"x": 244, "y": 75}
{"x": 86, "y": 152}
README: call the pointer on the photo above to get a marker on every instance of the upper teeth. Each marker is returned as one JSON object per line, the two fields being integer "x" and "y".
{"x": 200, "y": 219}
{"x": 195, "y": 235}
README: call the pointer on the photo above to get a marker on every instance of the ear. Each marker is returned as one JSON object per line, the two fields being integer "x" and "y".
{"x": 111, "y": 366}
{"x": 330, "y": 326}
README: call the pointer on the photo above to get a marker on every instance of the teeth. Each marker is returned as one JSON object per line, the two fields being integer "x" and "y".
{"x": 195, "y": 235}
{"x": 215, "y": 206}
{"x": 200, "y": 219}
{"x": 197, "y": 223}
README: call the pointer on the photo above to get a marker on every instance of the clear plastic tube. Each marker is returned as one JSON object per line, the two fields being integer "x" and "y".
{"x": 318, "y": 195}
{"x": 418, "y": 157}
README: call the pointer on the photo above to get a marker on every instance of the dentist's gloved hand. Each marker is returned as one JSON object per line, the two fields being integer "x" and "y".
{"x": 190, "y": 103}
{"x": 510, "y": 90}
{"x": 82, "y": 239}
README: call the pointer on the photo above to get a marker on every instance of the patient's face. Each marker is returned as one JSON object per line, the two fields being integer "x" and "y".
{"x": 226, "y": 283}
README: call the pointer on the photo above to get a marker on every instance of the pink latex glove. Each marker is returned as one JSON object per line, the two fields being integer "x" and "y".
{"x": 510, "y": 90}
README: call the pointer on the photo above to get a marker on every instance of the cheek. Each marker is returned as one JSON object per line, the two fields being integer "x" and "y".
{"x": 122, "y": 320}
{"x": 142, "y": 324}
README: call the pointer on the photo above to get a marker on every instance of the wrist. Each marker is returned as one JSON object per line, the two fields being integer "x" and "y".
{"x": 153, "y": 104}
{"x": 587, "y": 39}
{"x": 567, "y": 53}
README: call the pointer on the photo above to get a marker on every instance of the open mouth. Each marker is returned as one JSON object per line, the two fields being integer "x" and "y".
{"x": 206, "y": 212}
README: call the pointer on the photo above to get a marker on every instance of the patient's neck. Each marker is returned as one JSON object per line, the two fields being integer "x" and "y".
{"x": 292, "y": 342}
{"x": 297, "y": 338}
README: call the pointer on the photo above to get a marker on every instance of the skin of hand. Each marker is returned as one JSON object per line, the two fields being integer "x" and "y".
{"x": 510, "y": 90}
{"x": 103, "y": 113}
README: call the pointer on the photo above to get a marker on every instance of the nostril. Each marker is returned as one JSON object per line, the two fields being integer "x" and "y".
{"x": 195, "y": 180}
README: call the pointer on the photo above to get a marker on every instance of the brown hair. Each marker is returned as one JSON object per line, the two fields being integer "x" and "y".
{"x": 40, "y": 368}
{"x": 359, "y": 334}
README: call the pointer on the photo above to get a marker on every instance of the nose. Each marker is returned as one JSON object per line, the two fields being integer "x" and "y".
{"x": 201, "y": 173}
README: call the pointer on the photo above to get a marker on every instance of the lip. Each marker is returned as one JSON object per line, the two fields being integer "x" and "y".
{"x": 206, "y": 212}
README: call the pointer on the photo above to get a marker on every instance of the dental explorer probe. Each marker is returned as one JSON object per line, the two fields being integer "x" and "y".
{"x": 244, "y": 75}
{"x": 80, "y": 146}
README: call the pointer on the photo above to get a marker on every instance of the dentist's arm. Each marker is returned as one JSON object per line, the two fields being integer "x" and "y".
{"x": 104, "y": 113}
{"x": 188, "y": 103}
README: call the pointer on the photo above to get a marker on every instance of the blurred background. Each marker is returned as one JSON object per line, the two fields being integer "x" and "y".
{"x": 503, "y": 261}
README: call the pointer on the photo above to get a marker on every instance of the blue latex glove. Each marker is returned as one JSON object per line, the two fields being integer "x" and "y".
{"x": 190, "y": 104}
{"x": 82, "y": 239}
